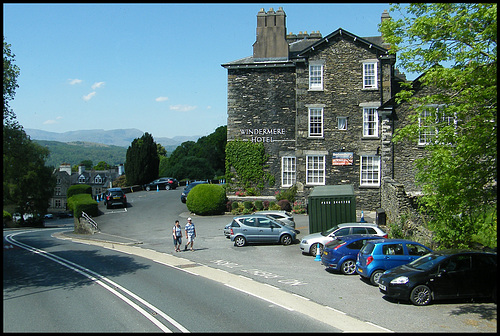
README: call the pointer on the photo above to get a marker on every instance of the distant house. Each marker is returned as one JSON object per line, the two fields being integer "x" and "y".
{"x": 99, "y": 180}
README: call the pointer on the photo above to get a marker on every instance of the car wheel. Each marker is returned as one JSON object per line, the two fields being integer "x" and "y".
{"x": 314, "y": 247}
{"x": 375, "y": 277}
{"x": 148, "y": 188}
{"x": 421, "y": 295}
{"x": 348, "y": 267}
{"x": 286, "y": 239}
{"x": 239, "y": 241}
{"x": 167, "y": 187}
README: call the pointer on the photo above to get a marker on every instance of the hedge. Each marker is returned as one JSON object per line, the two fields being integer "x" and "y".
{"x": 83, "y": 202}
{"x": 207, "y": 199}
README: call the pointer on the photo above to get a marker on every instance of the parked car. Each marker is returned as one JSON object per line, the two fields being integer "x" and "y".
{"x": 340, "y": 254}
{"x": 260, "y": 229}
{"x": 378, "y": 256}
{"x": 114, "y": 196}
{"x": 309, "y": 243}
{"x": 443, "y": 275}
{"x": 163, "y": 183}
{"x": 188, "y": 188}
{"x": 282, "y": 216}
{"x": 48, "y": 216}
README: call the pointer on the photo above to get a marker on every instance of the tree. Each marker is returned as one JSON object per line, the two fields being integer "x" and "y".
{"x": 454, "y": 46}
{"x": 10, "y": 74}
{"x": 142, "y": 161}
{"x": 27, "y": 182}
{"x": 102, "y": 165}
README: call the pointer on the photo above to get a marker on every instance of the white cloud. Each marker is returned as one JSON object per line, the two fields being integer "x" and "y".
{"x": 182, "y": 108}
{"x": 161, "y": 99}
{"x": 89, "y": 96}
{"x": 97, "y": 85}
{"x": 52, "y": 121}
{"x": 74, "y": 81}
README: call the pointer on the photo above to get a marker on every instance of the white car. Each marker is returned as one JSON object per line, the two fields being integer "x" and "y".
{"x": 309, "y": 243}
{"x": 280, "y": 215}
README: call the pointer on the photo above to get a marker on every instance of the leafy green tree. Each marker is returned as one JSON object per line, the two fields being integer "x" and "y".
{"x": 10, "y": 74}
{"x": 27, "y": 182}
{"x": 102, "y": 165}
{"x": 142, "y": 161}
{"x": 454, "y": 45}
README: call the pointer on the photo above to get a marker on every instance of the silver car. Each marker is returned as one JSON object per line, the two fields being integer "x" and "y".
{"x": 259, "y": 229}
{"x": 309, "y": 243}
{"x": 282, "y": 216}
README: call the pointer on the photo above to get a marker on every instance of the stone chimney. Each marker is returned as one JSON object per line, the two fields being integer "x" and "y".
{"x": 121, "y": 169}
{"x": 385, "y": 16}
{"x": 65, "y": 167}
{"x": 81, "y": 169}
{"x": 271, "y": 35}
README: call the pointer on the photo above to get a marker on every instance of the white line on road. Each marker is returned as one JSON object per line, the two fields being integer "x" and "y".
{"x": 100, "y": 279}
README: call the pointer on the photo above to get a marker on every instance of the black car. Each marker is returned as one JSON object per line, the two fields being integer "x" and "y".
{"x": 188, "y": 188}
{"x": 443, "y": 275}
{"x": 114, "y": 196}
{"x": 166, "y": 183}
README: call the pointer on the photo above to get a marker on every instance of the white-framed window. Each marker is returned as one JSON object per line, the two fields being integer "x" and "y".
{"x": 57, "y": 191}
{"x": 288, "y": 171}
{"x": 81, "y": 179}
{"x": 370, "y": 79}
{"x": 98, "y": 179}
{"x": 315, "y": 169}
{"x": 370, "y": 122}
{"x": 370, "y": 170}
{"x": 342, "y": 123}
{"x": 315, "y": 76}
{"x": 429, "y": 122}
{"x": 57, "y": 203}
{"x": 316, "y": 122}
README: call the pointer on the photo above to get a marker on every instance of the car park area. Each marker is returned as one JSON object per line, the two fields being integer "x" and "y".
{"x": 149, "y": 221}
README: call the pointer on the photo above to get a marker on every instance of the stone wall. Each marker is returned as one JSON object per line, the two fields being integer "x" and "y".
{"x": 402, "y": 213}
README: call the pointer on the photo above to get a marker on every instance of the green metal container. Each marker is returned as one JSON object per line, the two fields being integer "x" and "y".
{"x": 331, "y": 205}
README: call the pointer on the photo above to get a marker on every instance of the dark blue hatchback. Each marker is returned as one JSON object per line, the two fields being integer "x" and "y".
{"x": 340, "y": 254}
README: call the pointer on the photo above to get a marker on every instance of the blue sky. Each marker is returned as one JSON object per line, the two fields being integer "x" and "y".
{"x": 154, "y": 67}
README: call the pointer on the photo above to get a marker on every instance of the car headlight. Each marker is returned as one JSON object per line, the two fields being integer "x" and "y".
{"x": 304, "y": 241}
{"x": 400, "y": 280}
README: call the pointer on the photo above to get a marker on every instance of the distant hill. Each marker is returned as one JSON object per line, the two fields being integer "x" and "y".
{"x": 96, "y": 145}
{"x": 78, "y": 151}
{"x": 117, "y": 137}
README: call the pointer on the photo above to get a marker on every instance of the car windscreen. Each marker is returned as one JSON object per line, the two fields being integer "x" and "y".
{"x": 427, "y": 261}
{"x": 327, "y": 232}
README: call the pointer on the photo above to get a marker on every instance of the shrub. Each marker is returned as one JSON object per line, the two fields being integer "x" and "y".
{"x": 285, "y": 205}
{"x": 83, "y": 202}
{"x": 273, "y": 206}
{"x": 259, "y": 205}
{"x": 248, "y": 205}
{"x": 79, "y": 189}
{"x": 234, "y": 205}
{"x": 207, "y": 199}
{"x": 288, "y": 194}
{"x": 266, "y": 205}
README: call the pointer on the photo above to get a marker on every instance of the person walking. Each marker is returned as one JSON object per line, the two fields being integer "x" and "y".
{"x": 190, "y": 234}
{"x": 177, "y": 234}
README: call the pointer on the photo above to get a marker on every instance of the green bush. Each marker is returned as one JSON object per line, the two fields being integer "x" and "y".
{"x": 207, "y": 199}
{"x": 248, "y": 205}
{"x": 259, "y": 205}
{"x": 288, "y": 194}
{"x": 79, "y": 189}
{"x": 235, "y": 205}
{"x": 83, "y": 202}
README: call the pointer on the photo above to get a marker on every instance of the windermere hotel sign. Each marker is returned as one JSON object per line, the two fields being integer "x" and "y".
{"x": 262, "y": 134}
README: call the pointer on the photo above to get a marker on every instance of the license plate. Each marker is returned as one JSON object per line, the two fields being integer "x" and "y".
{"x": 325, "y": 253}
{"x": 116, "y": 197}
{"x": 382, "y": 287}
{"x": 360, "y": 270}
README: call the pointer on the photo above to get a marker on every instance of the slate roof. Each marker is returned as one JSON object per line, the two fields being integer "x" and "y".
{"x": 298, "y": 50}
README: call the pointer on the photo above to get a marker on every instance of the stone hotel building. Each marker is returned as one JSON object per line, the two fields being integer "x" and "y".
{"x": 320, "y": 104}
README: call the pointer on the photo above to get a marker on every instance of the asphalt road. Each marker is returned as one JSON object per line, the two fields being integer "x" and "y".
{"x": 144, "y": 228}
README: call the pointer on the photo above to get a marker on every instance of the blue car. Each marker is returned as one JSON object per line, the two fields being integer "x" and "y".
{"x": 378, "y": 256}
{"x": 340, "y": 254}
